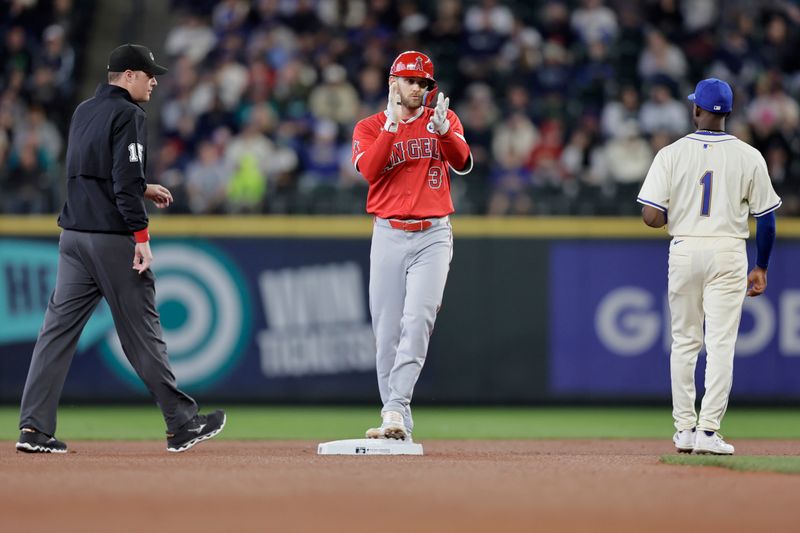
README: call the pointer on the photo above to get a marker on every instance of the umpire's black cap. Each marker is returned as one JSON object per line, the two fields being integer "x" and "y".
{"x": 134, "y": 57}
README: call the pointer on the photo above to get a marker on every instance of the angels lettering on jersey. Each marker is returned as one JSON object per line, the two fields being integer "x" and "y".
{"x": 419, "y": 148}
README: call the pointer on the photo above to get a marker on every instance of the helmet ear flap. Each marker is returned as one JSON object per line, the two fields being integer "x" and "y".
{"x": 429, "y": 96}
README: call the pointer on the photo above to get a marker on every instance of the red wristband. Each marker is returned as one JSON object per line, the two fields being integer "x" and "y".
{"x": 142, "y": 235}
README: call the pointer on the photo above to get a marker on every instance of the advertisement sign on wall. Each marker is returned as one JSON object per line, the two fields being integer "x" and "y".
{"x": 610, "y": 331}
{"x": 249, "y": 313}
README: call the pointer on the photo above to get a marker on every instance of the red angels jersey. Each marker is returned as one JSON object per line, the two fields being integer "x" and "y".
{"x": 409, "y": 171}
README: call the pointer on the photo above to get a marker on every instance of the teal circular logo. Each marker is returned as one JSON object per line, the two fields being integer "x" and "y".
{"x": 205, "y": 316}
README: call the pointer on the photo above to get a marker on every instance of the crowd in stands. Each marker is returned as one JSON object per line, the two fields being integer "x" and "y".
{"x": 564, "y": 103}
{"x": 41, "y": 48}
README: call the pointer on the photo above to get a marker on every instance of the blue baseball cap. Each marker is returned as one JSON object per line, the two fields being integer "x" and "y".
{"x": 713, "y": 95}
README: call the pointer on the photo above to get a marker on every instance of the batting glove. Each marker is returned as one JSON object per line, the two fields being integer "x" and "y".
{"x": 392, "y": 109}
{"x": 439, "y": 122}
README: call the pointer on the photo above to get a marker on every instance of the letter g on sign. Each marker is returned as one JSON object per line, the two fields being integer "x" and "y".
{"x": 626, "y": 322}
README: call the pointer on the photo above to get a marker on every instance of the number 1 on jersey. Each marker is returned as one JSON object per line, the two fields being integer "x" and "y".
{"x": 706, "y": 181}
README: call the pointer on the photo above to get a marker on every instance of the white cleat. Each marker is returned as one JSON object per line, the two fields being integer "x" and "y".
{"x": 711, "y": 444}
{"x": 392, "y": 427}
{"x": 684, "y": 440}
{"x": 375, "y": 433}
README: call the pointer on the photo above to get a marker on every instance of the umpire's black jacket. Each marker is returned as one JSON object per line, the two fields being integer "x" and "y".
{"x": 106, "y": 164}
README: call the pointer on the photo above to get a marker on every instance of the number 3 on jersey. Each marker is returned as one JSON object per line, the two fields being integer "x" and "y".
{"x": 435, "y": 178}
{"x": 706, "y": 181}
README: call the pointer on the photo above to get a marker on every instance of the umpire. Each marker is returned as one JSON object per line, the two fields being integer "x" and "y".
{"x": 104, "y": 252}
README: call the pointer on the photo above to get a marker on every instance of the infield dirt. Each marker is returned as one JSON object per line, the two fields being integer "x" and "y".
{"x": 481, "y": 486}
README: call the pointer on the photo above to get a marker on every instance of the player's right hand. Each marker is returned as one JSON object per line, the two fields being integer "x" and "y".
{"x": 439, "y": 122}
{"x": 393, "y": 107}
{"x": 756, "y": 281}
{"x": 142, "y": 257}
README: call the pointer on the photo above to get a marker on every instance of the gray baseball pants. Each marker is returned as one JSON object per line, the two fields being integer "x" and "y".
{"x": 408, "y": 272}
{"x": 93, "y": 266}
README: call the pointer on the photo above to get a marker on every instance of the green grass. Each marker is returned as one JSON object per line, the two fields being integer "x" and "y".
{"x": 765, "y": 463}
{"x": 327, "y": 423}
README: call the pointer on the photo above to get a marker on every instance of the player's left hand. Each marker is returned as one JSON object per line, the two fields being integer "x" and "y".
{"x": 438, "y": 120}
{"x": 756, "y": 281}
{"x": 142, "y": 257}
{"x": 159, "y": 195}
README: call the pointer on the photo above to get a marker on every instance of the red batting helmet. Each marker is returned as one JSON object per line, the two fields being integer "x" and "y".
{"x": 413, "y": 64}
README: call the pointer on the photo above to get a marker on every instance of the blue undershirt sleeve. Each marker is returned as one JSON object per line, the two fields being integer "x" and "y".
{"x": 765, "y": 238}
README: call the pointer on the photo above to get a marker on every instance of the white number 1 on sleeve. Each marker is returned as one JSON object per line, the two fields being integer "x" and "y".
{"x": 135, "y": 152}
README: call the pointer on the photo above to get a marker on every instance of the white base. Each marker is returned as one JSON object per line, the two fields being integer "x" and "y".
{"x": 369, "y": 447}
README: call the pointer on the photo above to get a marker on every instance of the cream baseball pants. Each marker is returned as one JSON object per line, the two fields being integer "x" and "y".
{"x": 707, "y": 285}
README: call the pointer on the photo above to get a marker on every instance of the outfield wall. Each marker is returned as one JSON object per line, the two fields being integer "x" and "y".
{"x": 276, "y": 309}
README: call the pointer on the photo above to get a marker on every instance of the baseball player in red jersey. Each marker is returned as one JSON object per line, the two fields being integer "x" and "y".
{"x": 406, "y": 153}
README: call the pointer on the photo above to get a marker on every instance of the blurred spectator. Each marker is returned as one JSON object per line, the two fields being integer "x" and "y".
{"x": 231, "y": 77}
{"x": 544, "y": 159}
{"x": 372, "y": 91}
{"x": 59, "y": 56}
{"x": 487, "y": 25}
{"x": 207, "y": 180}
{"x": 594, "y": 22}
{"x": 27, "y": 185}
{"x": 772, "y": 111}
{"x": 190, "y": 37}
{"x": 627, "y": 47}
{"x": 16, "y": 54}
{"x": 489, "y": 17}
{"x": 593, "y": 77}
{"x": 779, "y": 49}
{"x": 166, "y": 169}
{"x": 320, "y": 158}
{"x": 733, "y": 60}
{"x": 667, "y": 18}
{"x": 513, "y": 141}
{"x": 555, "y": 24}
{"x": 660, "y": 57}
{"x": 335, "y": 99}
{"x": 522, "y": 51}
{"x": 413, "y": 20}
{"x": 478, "y": 113}
{"x": 618, "y": 113}
{"x": 575, "y": 156}
{"x": 38, "y": 133}
{"x": 553, "y": 77}
{"x": 699, "y": 14}
{"x": 228, "y": 16}
{"x": 216, "y": 117}
{"x": 254, "y": 161}
{"x": 661, "y": 112}
{"x": 628, "y": 157}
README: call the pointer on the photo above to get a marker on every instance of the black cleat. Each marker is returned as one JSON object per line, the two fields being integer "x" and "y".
{"x": 198, "y": 429}
{"x": 32, "y": 441}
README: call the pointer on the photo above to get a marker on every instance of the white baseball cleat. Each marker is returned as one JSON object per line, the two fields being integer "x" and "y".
{"x": 684, "y": 440}
{"x": 711, "y": 442}
{"x": 392, "y": 427}
{"x": 375, "y": 433}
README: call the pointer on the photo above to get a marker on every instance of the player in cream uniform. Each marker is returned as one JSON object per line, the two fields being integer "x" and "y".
{"x": 704, "y": 186}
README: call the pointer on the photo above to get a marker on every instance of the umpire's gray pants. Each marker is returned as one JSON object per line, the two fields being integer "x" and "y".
{"x": 91, "y": 266}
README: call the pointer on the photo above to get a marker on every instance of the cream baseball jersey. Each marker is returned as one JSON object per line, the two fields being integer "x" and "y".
{"x": 409, "y": 171}
{"x": 708, "y": 183}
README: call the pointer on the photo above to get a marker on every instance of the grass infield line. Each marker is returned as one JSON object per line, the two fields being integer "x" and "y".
{"x": 330, "y": 423}
{"x": 785, "y": 464}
